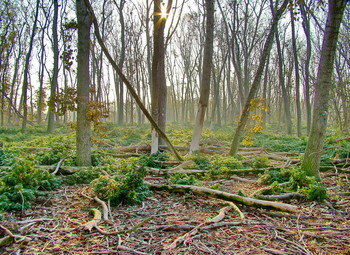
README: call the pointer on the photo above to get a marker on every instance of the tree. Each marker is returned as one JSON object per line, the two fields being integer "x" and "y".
{"x": 256, "y": 82}
{"x": 323, "y": 85}
{"x": 26, "y": 70}
{"x": 54, "y": 81}
{"x": 206, "y": 75}
{"x": 83, "y": 84}
{"x": 158, "y": 89}
{"x": 297, "y": 75}
{"x": 307, "y": 31}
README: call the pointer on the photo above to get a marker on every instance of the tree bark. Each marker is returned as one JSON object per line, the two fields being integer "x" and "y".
{"x": 128, "y": 84}
{"x": 227, "y": 196}
{"x": 307, "y": 31}
{"x": 158, "y": 89}
{"x": 297, "y": 75}
{"x": 282, "y": 81}
{"x": 26, "y": 71}
{"x": 83, "y": 85}
{"x": 206, "y": 75}
{"x": 54, "y": 82}
{"x": 255, "y": 86}
{"x": 323, "y": 86}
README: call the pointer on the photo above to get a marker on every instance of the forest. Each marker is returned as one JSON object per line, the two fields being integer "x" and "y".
{"x": 175, "y": 127}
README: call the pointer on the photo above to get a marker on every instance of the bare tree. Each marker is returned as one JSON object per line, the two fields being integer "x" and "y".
{"x": 255, "y": 85}
{"x": 26, "y": 70}
{"x": 54, "y": 81}
{"x": 206, "y": 76}
{"x": 323, "y": 85}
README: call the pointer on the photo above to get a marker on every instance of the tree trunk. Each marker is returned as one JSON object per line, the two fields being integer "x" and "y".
{"x": 297, "y": 75}
{"x": 26, "y": 71}
{"x": 206, "y": 75}
{"x": 282, "y": 83}
{"x": 83, "y": 85}
{"x": 323, "y": 86}
{"x": 307, "y": 31}
{"x": 255, "y": 86}
{"x": 128, "y": 84}
{"x": 54, "y": 82}
{"x": 159, "y": 90}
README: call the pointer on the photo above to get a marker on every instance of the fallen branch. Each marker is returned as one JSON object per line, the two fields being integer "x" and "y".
{"x": 104, "y": 208}
{"x": 93, "y": 223}
{"x": 216, "y": 219}
{"x": 10, "y": 237}
{"x": 59, "y": 165}
{"x": 126, "y": 231}
{"x": 280, "y": 197}
{"x": 240, "y": 179}
{"x": 227, "y": 196}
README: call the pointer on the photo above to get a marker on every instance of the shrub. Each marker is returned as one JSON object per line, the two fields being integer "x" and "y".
{"x": 125, "y": 186}
{"x": 183, "y": 179}
{"x": 23, "y": 183}
{"x": 218, "y": 161}
{"x": 297, "y": 181}
{"x": 261, "y": 162}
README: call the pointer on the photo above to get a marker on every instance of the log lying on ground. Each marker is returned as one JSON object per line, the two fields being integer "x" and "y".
{"x": 280, "y": 197}
{"x": 227, "y": 196}
{"x": 244, "y": 171}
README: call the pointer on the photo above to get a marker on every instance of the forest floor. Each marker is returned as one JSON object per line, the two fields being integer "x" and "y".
{"x": 52, "y": 224}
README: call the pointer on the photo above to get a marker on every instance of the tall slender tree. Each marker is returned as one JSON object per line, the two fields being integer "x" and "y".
{"x": 256, "y": 82}
{"x": 26, "y": 70}
{"x": 54, "y": 81}
{"x": 323, "y": 86}
{"x": 206, "y": 76}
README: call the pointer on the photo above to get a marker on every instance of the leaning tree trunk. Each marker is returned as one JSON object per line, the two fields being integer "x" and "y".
{"x": 83, "y": 84}
{"x": 205, "y": 79}
{"x": 256, "y": 82}
{"x": 323, "y": 86}
{"x": 26, "y": 71}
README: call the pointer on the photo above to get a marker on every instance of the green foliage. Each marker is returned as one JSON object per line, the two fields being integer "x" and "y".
{"x": 153, "y": 160}
{"x": 271, "y": 176}
{"x": 261, "y": 162}
{"x": 23, "y": 183}
{"x": 61, "y": 146}
{"x": 183, "y": 179}
{"x": 280, "y": 142}
{"x": 125, "y": 186}
{"x": 84, "y": 176}
{"x": 7, "y": 157}
{"x": 201, "y": 162}
{"x": 297, "y": 181}
{"x": 215, "y": 186}
{"x": 218, "y": 161}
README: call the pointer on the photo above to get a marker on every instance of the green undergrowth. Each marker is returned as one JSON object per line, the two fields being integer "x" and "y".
{"x": 121, "y": 181}
{"x": 117, "y": 181}
{"x": 293, "y": 180}
{"x": 22, "y": 183}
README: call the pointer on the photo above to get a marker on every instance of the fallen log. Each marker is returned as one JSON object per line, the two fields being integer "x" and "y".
{"x": 226, "y": 196}
{"x": 280, "y": 197}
